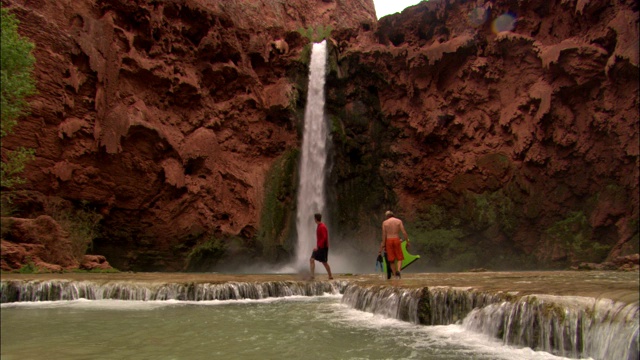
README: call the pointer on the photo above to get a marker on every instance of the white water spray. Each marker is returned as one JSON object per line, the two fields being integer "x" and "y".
{"x": 311, "y": 197}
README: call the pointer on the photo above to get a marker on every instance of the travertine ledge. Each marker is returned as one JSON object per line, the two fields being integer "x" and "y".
{"x": 617, "y": 286}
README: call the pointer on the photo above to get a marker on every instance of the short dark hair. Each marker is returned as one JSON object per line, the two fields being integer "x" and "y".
{"x": 318, "y": 216}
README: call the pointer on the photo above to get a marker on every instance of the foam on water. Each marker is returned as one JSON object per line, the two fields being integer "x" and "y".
{"x": 109, "y": 304}
{"x": 420, "y": 337}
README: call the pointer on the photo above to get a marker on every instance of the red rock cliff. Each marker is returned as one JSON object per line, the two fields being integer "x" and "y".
{"x": 166, "y": 117}
{"x": 513, "y": 128}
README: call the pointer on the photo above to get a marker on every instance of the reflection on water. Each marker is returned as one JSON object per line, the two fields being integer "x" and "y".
{"x": 293, "y": 327}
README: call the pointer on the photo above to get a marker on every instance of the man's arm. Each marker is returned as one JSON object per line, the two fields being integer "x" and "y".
{"x": 384, "y": 238}
{"x": 404, "y": 232}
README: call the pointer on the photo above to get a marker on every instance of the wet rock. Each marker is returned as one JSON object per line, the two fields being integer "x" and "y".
{"x": 91, "y": 262}
{"x": 41, "y": 240}
{"x": 622, "y": 263}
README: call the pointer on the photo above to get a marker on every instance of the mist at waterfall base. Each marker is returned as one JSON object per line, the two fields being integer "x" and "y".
{"x": 343, "y": 259}
{"x": 291, "y": 327}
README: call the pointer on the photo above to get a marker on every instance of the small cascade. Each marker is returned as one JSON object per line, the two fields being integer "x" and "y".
{"x": 574, "y": 327}
{"x": 388, "y": 301}
{"x": 57, "y": 290}
{"x": 426, "y": 306}
{"x": 567, "y": 326}
{"x": 445, "y": 305}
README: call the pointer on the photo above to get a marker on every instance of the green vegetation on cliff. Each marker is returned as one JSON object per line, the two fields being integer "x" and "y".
{"x": 438, "y": 236}
{"x": 279, "y": 204}
{"x": 573, "y": 237}
{"x": 16, "y": 84}
{"x": 81, "y": 223}
{"x": 482, "y": 211}
{"x": 472, "y": 233}
{"x": 316, "y": 34}
{"x": 205, "y": 256}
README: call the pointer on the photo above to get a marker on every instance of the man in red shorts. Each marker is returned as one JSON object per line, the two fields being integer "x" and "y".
{"x": 391, "y": 229}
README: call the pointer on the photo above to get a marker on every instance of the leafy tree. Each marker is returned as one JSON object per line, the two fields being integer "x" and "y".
{"x": 16, "y": 84}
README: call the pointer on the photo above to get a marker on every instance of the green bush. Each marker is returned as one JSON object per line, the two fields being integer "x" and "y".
{"x": 205, "y": 256}
{"x": 574, "y": 235}
{"x": 82, "y": 224}
{"x": 316, "y": 34}
{"x": 448, "y": 238}
{"x": 29, "y": 268}
{"x": 439, "y": 246}
{"x": 16, "y": 84}
{"x": 336, "y": 128}
{"x": 433, "y": 217}
{"x": 481, "y": 211}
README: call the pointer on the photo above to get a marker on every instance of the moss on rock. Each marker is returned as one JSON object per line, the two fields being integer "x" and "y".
{"x": 279, "y": 204}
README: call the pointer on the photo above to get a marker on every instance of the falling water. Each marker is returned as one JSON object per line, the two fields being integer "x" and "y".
{"x": 63, "y": 290}
{"x": 314, "y": 157}
{"x": 568, "y": 326}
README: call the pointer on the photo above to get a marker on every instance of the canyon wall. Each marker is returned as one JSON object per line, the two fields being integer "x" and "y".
{"x": 504, "y": 133}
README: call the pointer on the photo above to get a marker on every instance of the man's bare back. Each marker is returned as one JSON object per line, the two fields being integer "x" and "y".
{"x": 392, "y": 227}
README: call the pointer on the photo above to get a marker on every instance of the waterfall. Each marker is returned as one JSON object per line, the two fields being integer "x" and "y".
{"x": 311, "y": 197}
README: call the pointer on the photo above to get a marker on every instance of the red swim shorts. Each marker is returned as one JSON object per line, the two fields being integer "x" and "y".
{"x": 394, "y": 249}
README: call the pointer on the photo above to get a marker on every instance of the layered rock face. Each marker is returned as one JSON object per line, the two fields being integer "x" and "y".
{"x": 518, "y": 123}
{"x": 164, "y": 116}
{"x": 492, "y": 126}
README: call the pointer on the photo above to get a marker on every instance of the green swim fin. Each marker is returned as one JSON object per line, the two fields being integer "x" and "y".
{"x": 408, "y": 258}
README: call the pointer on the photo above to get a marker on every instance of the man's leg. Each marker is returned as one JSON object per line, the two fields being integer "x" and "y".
{"x": 312, "y": 266}
{"x": 397, "y": 248}
{"x": 326, "y": 266}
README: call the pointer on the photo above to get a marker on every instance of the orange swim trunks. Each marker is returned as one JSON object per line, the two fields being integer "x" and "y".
{"x": 394, "y": 249}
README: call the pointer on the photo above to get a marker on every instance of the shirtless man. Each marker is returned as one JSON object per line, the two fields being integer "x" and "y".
{"x": 391, "y": 229}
